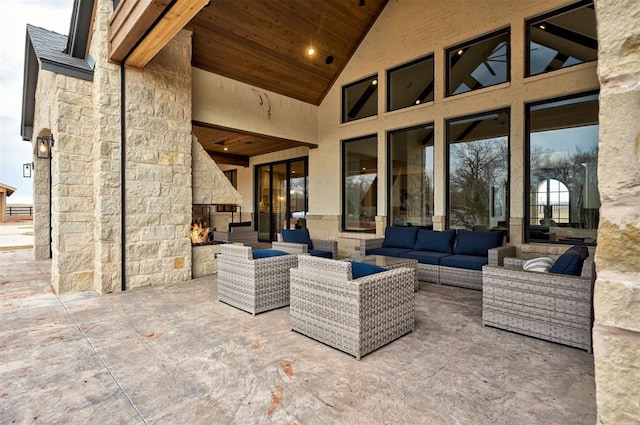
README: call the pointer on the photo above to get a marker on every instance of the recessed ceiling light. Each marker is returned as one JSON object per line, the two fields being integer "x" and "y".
{"x": 542, "y": 26}
{"x": 418, "y": 102}
{"x": 374, "y": 82}
{"x": 364, "y": 168}
{"x": 311, "y": 51}
{"x": 460, "y": 51}
{"x": 225, "y": 149}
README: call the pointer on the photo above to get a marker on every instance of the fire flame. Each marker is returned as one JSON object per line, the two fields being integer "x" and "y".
{"x": 198, "y": 233}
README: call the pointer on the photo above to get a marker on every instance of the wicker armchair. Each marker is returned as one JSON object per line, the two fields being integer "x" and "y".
{"x": 320, "y": 246}
{"x": 549, "y": 306}
{"x": 354, "y": 316}
{"x": 253, "y": 285}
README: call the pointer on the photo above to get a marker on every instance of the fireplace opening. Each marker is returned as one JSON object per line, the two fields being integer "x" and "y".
{"x": 201, "y": 228}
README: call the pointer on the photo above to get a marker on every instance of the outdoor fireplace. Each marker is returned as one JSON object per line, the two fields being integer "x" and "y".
{"x": 201, "y": 229}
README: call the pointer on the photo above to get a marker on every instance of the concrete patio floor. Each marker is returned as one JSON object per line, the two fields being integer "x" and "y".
{"x": 175, "y": 355}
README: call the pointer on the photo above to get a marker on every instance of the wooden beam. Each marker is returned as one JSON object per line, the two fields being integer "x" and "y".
{"x": 130, "y": 22}
{"x": 180, "y": 13}
{"x": 222, "y": 158}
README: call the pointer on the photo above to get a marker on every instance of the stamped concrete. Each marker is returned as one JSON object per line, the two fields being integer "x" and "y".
{"x": 175, "y": 355}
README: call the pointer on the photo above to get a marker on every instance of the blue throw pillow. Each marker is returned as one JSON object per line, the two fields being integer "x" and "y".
{"x": 399, "y": 237}
{"x": 477, "y": 243}
{"x": 571, "y": 261}
{"x": 264, "y": 253}
{"x": 297, "y": 236}
{"x": 359, "y": 270}
{"x": 435, "y": 241}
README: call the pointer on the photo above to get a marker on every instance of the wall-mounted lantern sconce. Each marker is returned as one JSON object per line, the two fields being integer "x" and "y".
{"x": 44, "y": 145}
{"x": 27, "y": 169}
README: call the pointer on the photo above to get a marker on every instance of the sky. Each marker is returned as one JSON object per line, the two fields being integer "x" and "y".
{"x": 53, "y": 15}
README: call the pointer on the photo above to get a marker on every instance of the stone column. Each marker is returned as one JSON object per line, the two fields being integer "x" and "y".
{"x": 158, "y": 167}
{"x": 616, "y": 334}
{"x": 106, "y": 157}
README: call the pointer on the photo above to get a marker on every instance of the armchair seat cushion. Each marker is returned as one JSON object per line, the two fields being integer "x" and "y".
{"x": 265, "y": 253}
{"x": 424, "y": 257}
{"x": 359, "y": 270}
{"x": 389, "y": 252}
{"x": 320, "y": 253}
{"x": 297, "y": 236}
{"x": 469, "y": 262}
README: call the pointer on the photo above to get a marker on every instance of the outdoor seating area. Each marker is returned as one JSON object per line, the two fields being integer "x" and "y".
{"x": 174, "y": 354}
{"x": 298, "y": 241}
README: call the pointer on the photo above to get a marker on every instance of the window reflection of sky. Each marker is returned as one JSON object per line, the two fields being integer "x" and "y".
{"x": 566, "y": 141}
{"x": 540, "y": 57}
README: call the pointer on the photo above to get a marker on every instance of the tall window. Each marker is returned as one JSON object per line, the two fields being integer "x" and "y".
{"x": 562, "y": 38}
{"x": 563, "y": 203}
{"x": 232, "y": 175}
{"x": 360, "y": 183}
{"x": 410, "y": 184}
{"x": 360, "y": 99}
{"x": 479, "y": 171}
{"x": 477, "y": 64}
{"x": 410, "y": 84}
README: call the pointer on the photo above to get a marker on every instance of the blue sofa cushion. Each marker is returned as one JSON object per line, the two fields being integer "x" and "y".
{"x": 399, "y": 237}
{"x": 477, "y": 243}
{"x": 320, "y": 253}
{"x": 359, "y": 270}
{"x": 297, "y": 236}
{"x": 571, "y": 261}
{"x": 469, "y": 262}
{"x": 389, "y": 252}
{"x": 265, "y": 253}
{"x": 435, "y": 241}
{"x": 424, "y": 257}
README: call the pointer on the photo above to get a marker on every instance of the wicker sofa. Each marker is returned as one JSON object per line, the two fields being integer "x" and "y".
{"x": 356, "y": 316}
{"x": 241, "y": 232}
{"x": 299, "y": 241}
{"x": 549, "y": 306}
{"x": 445, "y": 257}
{"x": 253, "y": 285}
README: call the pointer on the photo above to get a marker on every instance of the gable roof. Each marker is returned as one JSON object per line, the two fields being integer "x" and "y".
{"x": 46, "y": 50}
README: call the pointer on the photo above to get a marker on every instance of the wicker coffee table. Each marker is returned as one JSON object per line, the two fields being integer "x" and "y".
{"x": 390, "y": 263}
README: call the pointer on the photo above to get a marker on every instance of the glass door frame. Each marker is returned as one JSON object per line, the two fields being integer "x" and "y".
{"x": 273, "y": 230}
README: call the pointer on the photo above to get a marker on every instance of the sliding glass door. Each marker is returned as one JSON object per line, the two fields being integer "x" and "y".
{"x": 281, "y": 197}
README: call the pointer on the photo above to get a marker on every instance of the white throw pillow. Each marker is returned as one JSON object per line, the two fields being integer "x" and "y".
{"x": 541, "y": 264}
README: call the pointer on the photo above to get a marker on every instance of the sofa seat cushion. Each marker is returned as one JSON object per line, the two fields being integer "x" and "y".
{"x": 435, "y": 241}
{"x": 359, "y": 270}
{"x": 389, "y": 252}
{"x": 424, "y": 257}
{"x": 266, "y": 253}
{"x": 477, "y": 243}
{"x": 469, "y": 262}
{"x": 297, "y": 236}
{"x": 399, "y": 237}
{"x": 571, "y": 261}
{"x": 320, "y": 253}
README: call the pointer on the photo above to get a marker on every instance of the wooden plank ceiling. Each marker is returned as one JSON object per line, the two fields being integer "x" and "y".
{"x": 264, "y": 43}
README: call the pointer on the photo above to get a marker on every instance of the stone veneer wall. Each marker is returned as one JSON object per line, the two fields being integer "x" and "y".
{"x": 64, "y": 108}
{"x": 106, "y": 157}
{"x": 158, "y": 167}
{"x": 616, "y": 335}
{"x": 209, "y": 184}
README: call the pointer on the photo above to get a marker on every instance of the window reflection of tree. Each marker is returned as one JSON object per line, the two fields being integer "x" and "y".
{"x": 479, "y": 166}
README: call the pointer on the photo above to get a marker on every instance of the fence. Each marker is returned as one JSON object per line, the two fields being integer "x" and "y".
{"x": 19, "y": 211}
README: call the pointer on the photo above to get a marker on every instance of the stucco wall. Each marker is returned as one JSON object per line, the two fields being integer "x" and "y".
{"x": 228, "y": 103}
{"x": 616, "y": 335}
